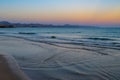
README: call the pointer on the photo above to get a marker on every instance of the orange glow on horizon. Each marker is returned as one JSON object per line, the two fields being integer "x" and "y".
{"x": 61, "y": 11}
{"x": 73, "y": 16}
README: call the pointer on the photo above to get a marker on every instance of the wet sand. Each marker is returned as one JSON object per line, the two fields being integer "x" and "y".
{"x": 9, "y": 70}
{"x": 48, "y": 61}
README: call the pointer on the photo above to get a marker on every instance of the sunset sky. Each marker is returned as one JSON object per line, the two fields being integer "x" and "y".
{"x": 87, "y": 12}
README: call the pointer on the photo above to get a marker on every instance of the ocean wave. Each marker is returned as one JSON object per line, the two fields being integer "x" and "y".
{"x": 101, "y": 38}
{"x": 2, "y": 32}
{"x": 28, "y": 33}
{"x": 58, "y": 41}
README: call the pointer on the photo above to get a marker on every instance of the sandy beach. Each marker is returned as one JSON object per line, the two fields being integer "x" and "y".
{"x": 9, "y": 70}
{"x": 42, "y": 60}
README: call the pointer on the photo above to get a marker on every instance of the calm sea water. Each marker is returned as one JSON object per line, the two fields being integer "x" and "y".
{"x": 64, "y": 58}
{"x": 107, "y": 37}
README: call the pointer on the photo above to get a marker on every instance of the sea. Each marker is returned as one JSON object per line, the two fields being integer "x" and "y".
{"x": 106, "y": 37}
{"x": 70, "y": 61}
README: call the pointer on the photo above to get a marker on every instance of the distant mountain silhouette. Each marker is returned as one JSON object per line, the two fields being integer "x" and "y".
{"x": 5, "y": 24}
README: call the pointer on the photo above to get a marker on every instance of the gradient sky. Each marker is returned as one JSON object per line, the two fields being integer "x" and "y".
{"x": 88, "y": 12}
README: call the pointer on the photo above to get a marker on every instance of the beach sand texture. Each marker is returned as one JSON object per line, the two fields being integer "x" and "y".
{"x": 9, "y": 70}
{"x": 44, "y": 61}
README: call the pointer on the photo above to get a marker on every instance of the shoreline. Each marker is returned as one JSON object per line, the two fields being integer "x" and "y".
{"x": 9, "y": 69}
{"x": 43, "y": 61}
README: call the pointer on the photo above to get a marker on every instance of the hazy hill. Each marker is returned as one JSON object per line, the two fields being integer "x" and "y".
{"x": 5, "y": 24}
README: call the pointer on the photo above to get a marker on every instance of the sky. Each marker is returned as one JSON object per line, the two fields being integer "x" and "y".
{"x": 85, "y": 12}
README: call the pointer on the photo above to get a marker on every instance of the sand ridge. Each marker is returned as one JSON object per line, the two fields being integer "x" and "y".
{"x": 9, "y": 69}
